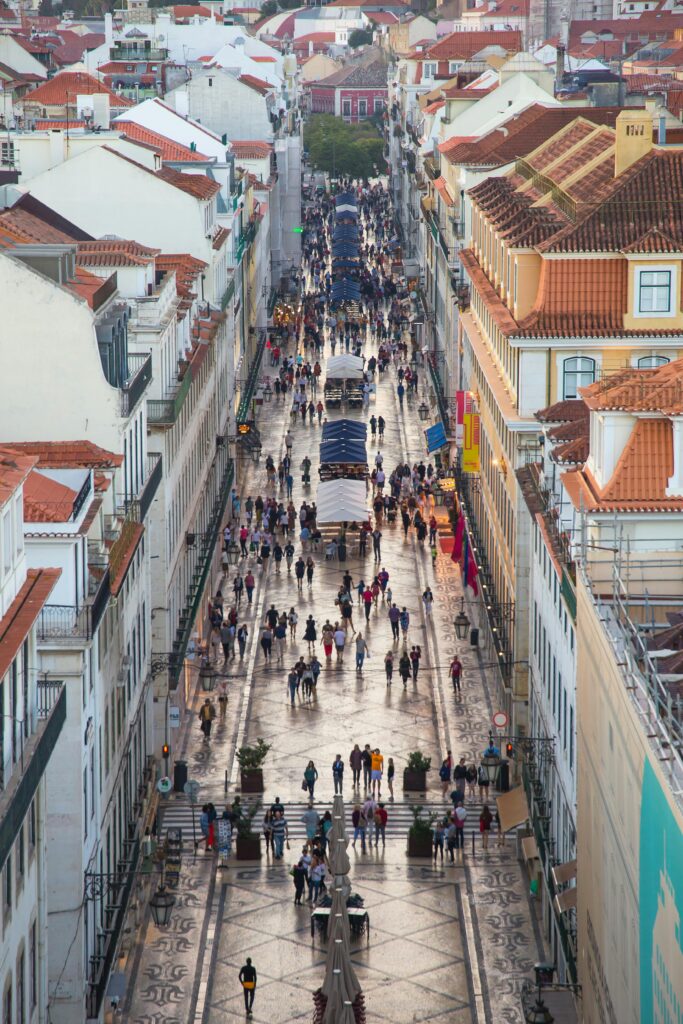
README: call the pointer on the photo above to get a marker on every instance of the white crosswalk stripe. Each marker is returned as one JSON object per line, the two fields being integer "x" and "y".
{"x": 178, "y": 814}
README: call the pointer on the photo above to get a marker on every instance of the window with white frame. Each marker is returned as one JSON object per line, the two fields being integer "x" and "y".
{"x": 655, "y": 292}
{"x": 578, "y": 372}
{"x": 362, "y": 108}
{"x": 650, "y": 362}
{"x": 429, "y": 69}
{"x": 378, "y": 104}
{"x": 346, "y": 108}
{"x": 454, "y": 66}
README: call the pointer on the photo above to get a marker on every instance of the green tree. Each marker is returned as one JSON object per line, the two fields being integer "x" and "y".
{"x": 360, "y": 37}
{"x": 337, "y": 147}
{"x": 269, "y": 8}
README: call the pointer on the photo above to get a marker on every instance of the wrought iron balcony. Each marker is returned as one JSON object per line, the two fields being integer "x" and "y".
{"x": 140, "y": 375}
{"x": 19, "y": 788}
{"x": 137, "y": 508}
{"x": 164, "y": 412}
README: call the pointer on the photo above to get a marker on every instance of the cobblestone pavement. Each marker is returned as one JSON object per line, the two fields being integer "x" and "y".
{"x": 447, "y": 943}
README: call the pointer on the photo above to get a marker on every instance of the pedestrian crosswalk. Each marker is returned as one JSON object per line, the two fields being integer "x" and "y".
{"x": 178, "y": 814}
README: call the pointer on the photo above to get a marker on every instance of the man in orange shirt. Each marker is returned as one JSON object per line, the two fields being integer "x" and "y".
{"x": 376, "y": 769}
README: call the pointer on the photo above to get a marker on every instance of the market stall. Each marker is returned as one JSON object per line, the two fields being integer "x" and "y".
{"x": 342, "y": 501}
{"x": 347, "y": 429}
{"x": 340, "y": 459}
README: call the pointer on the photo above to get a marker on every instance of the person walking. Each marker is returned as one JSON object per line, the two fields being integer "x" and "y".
{"x": 367, "y": 599}
{"x": 310, "y": 566}
{"x": 394, "y": 616}
{"x": 356, "y": 764}
{"x": 427, "y": 601}
{"x": 339, "y": 642}
{"x": 311, "y": 821}
{"x": 404, "y": 622}
{"x": 404, "y": 668}
{"x": 359, "y": 823}
{"x": 280, "y": 637}
{"x": 389, "y": 666}
{"x": 292, "y": 619}
{"x": 310, "y": 635}
{"x": 367, "y": 767}
{"x": 207, "y": 713}
{"x": 485, "y": 819}
{"x": 280, "y": 832}
{"x": 300, "y": 877}
{"x": 267, "y": 642}
{"x": 242, "y": 637}
{"x": 249, "y": 584}
{"x": 310, "y": 778}
{"x": 391, "y": 771}
{"x": 289, "y": 555}
{"x": 483, "y": 783}
{"x": 292, "y": 684}
{"x": 415, "y": 656}
{"x": 455, "y": 671}
{"x": 460, "y": 777}
{"x": 338, "y": 774}
{"x": 317, "y": 878}
{"x": 380, "y": 822}
{"x": 438, "y": 838}
{"x": 247, "y": 977}
{"x": 328, "y": 639}
{"x": 459, "y": 819}
{"x": 299, "y": 570}
{"x": 471, "y": 780}
{"x": 376, "y": 770}
{"x": 445, "y": 777}
{"x": 377, "y": 544}
{"x": 361, "y": 651}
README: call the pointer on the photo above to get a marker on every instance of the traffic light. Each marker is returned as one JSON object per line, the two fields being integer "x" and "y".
{"x": 166, "y": 751}
{"x": 509, "y": 750}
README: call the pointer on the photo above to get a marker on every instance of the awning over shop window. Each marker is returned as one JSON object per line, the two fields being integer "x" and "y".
{"x": 565, "y": 901}
{"x": 436, "y": 437}
{"x": 513, "y": 809}
{"x": 563, "y": 873}
{"x": 529, "y": 848}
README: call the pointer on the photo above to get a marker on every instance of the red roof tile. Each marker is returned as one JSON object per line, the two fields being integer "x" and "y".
{"x": 246, "y": 149}
{"x": 16, "y": 624}
{"x": 170, "y": 150}
{"x": 123, "y": 552}
{"x": 197, "y": 185}
{"x": 188, "y": 11}
{"x": 46, "y": 125}
{"x": 66, "y": 86}
{"x": 14, "y": 469}
{"x": 46, "y": 500}
{"x": 65, "y": 454}
{"x": 464, "y": 45}
{"x": 257, "y": 84}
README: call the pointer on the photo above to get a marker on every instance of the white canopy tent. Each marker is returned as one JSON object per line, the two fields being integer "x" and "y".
{"x": 342, "y": 501}
{"x": 344, "y": 367}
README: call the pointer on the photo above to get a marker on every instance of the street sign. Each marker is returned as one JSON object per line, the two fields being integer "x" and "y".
{"x": 174, "y": 717}
{"x": 500, "y": 719}
{"x": 164, "y": 785}
{"x": 191, "y": 789}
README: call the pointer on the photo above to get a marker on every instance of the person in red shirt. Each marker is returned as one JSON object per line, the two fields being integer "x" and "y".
{"x": 380, "y": 823}
{"x": 456, "y": 672}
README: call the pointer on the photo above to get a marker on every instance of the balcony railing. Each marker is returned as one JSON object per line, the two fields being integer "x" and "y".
{"x": 66, "y": 624}
{"x": 165, "y": 411}
{"x": 140, "y": 370}
{"x": 20, "y": 787}
{"x": 228, "y": 293}
{"x": 137, "y": 508}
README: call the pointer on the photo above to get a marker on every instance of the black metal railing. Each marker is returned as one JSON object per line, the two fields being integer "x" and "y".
{"x": 81, "y": 497}
{"x": 437, "y": 384}
{"x": 140, "y": 375}
{"x": 252, "y": 379}
{"x": 66, "y": 623}
{"x": 20, "y": 787}
{"x": 151, "y": 485}
{"x": 100, "y": 601}
{"x": 47, "y": 694}
{"x": 165, "y": 411}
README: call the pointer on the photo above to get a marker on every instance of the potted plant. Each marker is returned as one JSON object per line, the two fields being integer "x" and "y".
{"x": 250, "y": 760}
{"x": 420, "y": 840}
{"x": 415, "y": 772}
{"x": 248, "y": 843}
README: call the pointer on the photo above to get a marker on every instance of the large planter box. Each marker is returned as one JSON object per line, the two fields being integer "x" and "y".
{"x": 251, "y": 780}
{"x": 248, "y": 847}
{"x": 419, "y": 846}
{"x": 414, "y": 782}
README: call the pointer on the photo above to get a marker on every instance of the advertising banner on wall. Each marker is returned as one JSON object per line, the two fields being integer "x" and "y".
{"x": 463, "y": 406}
{"x": 470, "y": 443}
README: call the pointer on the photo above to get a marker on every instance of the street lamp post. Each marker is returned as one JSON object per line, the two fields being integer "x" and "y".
{"x": 461, "y": 622}
{"x": 161, "y": 904}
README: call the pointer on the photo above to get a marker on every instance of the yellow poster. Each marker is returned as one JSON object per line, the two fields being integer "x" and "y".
{"x": 470, "y": 442}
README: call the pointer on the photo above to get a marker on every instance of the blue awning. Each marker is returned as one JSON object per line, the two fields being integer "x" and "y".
{"x": 345, "y": 429}
{"x": 337, "y": 451}
{"x": 345, "y": 289}
{"x": 436, "y": 437}
{"x": 345, "y": 199}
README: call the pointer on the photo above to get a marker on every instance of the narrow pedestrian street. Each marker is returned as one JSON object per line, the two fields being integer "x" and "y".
{"x": 446, "y": 942}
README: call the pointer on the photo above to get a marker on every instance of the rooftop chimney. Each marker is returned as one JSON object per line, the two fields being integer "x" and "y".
{"x": 633, "y": 138}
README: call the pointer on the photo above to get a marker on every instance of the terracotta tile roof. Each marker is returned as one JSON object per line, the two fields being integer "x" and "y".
{"x": 247, "y": 149}
{"x": 464, "y": 45}
{"x": 197, "y": 185}
{"x": 25, "y": 225}
{"x": 368, "y": 73}
{"x": 65, "y": 454}
{"x": 16, "y": 624}
{"x": 14, "y": 469}
{"x": 640, "y": 477}
{"x": 566, "y": 411}
{"x": 443, "y": 188}
{"x": 114, "y": 253}
{"x": 658, "y": 390}
{"x": 573, "y": 452}
{"x": 650, "y": 25}
{"x": 169, "y": 149}
{"x": 645, "y": 196}
{"x": 122, "y": 554}
{"x": 313, "y": 37}
{"x": 575, "y": 301}
{"x": 47, "y": 125}
{"x": 186, "y": 269}
{"x": 381, "y": 17}
{"x": 432, "y": 108}
{"x": 66, "y": 86}
{"x": 257, "y": 84}
{"x": 188, "y": 11}
{"x": 512, "y": 214}
{"x": 454, "y": 92}
{"x": 46, "y": 500}
{"x": 220, "y": 238}
{"x": 87, "y": 286}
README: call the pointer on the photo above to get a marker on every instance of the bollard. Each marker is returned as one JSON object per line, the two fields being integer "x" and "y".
{"x": 226, "y": 780}
{"x": 473, "y": 845}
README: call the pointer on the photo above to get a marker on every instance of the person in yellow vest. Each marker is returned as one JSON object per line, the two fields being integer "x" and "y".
{"x": 207, "y": 713}
{"x": 376, "y": 769}
{"x": 248, "y": 980}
